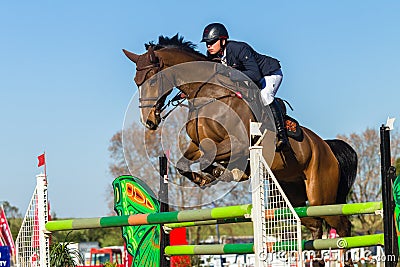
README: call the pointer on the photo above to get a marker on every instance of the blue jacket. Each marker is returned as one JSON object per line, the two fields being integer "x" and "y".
{"x": 243, "y": 57}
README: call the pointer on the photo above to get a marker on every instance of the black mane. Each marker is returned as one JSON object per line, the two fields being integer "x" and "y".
{"x": 175, "y": 41}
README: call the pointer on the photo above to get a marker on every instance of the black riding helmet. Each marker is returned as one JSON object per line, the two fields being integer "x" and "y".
{"x": 213, "y": 32}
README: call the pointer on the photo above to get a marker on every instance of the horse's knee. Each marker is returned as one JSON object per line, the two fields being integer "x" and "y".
{"x": 183, "y": 165}
{"x": 205, "y": 163}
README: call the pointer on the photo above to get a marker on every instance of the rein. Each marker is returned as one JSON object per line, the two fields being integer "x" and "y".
{"x": 193, "y": 107}
{"x": 172, "y": 102}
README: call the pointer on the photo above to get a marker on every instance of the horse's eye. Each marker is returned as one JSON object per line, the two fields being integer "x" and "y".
{"x": 153, "y": 82}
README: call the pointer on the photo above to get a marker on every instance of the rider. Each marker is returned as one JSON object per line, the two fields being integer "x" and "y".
{"x": 263, "y": 70}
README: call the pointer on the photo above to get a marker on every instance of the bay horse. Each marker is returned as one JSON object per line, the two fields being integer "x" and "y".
{"x": 317, "y": 171}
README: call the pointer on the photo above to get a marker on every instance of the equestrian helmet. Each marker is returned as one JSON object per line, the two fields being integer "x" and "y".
{"x": 213, "y": 32}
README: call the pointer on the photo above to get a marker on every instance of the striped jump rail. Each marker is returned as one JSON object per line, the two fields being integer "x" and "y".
{"x": 319, "y": 244}
{"x": 227, "y": 214}
{"x": 310, "y": 211}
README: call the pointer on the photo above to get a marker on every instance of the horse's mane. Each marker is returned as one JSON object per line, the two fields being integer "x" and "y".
{"x": 175, "y": 41}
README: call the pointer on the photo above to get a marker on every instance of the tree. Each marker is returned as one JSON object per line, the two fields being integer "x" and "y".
{"x": 13, "y": 216}
{"x": 11, "y": 212}
{"x": 367, "y": 186}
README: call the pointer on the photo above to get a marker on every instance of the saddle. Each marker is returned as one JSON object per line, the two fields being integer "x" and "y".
{"x": 252, "y": 97}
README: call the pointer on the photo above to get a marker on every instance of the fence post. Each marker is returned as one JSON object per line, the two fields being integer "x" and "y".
{"x": 42, "y": 218}
{"x": 164, "y": 207}
{"x": 388, "y": 174}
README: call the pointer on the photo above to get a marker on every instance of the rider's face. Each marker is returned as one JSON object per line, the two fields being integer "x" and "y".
{"x": 214, "y": 47}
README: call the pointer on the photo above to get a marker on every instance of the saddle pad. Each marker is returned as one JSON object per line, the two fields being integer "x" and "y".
{"x": 293, "y": 129}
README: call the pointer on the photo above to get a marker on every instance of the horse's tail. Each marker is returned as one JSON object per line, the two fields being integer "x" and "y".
{"x": 347, "y": 158}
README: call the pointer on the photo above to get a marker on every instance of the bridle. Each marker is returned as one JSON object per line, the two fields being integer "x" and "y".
{"x": 151, "y": 66}
{"x": 156, "y": 64}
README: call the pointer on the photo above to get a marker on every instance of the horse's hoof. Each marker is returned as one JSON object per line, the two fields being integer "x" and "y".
{"x": 218, "y": 171}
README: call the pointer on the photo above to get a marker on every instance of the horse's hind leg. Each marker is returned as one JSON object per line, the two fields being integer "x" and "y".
{"x": 343, "y": 228}
{"x": 341, "y": 223}
{"x": 314, "y": 225}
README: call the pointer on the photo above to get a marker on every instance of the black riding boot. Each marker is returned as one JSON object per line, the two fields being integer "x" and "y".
{"x": 283, "y": 141}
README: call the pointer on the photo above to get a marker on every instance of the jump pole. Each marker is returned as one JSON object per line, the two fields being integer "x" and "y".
{"x": 318, "y": 244}
{"x": 228, "y": 214}
{"x": 150, "y": 218}
{"x": 302, "y": 212}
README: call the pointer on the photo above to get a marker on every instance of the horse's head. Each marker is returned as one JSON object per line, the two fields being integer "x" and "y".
{"x": 153, "y": 90}
{"x": 147, "y": 65}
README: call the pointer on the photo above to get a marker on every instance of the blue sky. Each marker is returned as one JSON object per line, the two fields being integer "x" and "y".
{"x": 65, "y": 84}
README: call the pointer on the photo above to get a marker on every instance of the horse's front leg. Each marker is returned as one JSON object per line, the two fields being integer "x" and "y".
{"x": 234, "y": 153}
{"x": 189, "y": 166}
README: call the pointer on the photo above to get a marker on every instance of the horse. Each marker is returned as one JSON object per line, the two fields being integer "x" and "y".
{"x": 313, "y": 170}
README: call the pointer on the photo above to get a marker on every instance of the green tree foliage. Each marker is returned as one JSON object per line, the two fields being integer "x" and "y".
{"x": 10, "y": 210}
{"x": 14, "y": 218}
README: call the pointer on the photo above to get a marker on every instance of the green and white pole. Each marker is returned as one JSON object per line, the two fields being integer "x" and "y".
{"x": 150, "y": 218}
{"x": 318, "y": 244}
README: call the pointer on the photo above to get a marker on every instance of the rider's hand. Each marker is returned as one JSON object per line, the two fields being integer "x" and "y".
{"x": 236, "y": 76}
{"x": 222, "y": 69}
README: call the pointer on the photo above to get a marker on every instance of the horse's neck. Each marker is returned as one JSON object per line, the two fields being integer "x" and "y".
{"x": 203, "y": 90}
{"x": 174, "y": 56}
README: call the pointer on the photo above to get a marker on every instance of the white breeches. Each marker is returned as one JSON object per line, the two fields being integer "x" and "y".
{"x": 270, "y": 85}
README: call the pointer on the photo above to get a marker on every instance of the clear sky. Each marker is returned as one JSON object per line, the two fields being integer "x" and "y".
{"x": 65, "y": 84}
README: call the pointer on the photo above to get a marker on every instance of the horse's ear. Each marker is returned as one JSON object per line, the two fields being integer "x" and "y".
{"x": 152, "y": 55}
{"x": 131, "y": 56}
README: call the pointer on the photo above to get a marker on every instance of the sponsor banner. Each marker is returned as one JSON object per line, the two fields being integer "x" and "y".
{"x": 5, "y": 256}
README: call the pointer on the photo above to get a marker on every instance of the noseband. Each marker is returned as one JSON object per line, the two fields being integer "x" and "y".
{"x": 150, "y": 67}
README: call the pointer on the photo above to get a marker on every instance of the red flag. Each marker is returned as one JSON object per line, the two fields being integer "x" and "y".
{"x": 42, "y": 160}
